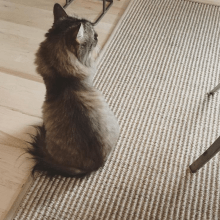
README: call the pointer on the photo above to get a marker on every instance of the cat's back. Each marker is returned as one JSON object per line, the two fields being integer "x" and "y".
{"x": 63, "y": 100}
{"x": 77, "y": 110}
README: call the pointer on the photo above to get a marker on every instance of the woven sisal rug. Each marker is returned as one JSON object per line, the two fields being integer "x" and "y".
{"x": 155, "y": 71}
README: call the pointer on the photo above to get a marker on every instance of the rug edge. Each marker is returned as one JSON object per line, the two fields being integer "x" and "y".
{"x": 14, "y": 208}
{"x": 99, "y": 59}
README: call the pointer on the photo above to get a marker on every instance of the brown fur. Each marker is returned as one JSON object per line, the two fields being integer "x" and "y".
{"x": 79, "y": 129}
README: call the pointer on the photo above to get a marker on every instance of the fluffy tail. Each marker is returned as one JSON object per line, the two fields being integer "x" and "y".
{"x": 42, "y": 165}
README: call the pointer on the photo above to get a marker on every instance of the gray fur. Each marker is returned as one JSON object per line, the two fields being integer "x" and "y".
{"x": 79, "y": 130}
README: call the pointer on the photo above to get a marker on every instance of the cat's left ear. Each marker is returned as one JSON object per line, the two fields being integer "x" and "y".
{"x": 58, "y": 12}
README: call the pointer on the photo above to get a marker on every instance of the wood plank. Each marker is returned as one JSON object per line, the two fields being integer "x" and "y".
{"x": 14, "y": 167}
{"x": 20, "y": 108}
{"x": 21, "y": 95}
{"x": 39, "y": 4}
{"x": 25, "y": 15}
{"x": 21, "y": 33}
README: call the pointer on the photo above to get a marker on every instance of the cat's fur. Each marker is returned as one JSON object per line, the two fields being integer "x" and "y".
{"x": 79, "y": 130}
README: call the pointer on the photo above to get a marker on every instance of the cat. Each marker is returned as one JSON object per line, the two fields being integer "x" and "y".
{"x": 79, "y": 130}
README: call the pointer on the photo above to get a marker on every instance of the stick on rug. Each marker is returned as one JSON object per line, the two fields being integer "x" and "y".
{"x": 156, "y": 69}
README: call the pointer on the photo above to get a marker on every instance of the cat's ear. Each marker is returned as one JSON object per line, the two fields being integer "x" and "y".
{"x": 80, "y": 34}
{"x": 58, "y": 12}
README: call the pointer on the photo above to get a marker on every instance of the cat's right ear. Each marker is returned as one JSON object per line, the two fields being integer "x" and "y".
{"x": 58, "y": 12}
{"x": 80, "y": 33}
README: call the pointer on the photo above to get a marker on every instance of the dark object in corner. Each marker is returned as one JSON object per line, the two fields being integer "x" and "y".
{"x": 206, "y": 156}
{"x": 214, "y": 90}
{"x": 211, "y": 151}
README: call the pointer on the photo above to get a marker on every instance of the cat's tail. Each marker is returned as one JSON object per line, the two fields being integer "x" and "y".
{"x": 43, "y": 164}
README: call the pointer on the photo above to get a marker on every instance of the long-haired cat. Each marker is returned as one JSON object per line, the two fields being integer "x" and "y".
{"x": 79, "y": 130}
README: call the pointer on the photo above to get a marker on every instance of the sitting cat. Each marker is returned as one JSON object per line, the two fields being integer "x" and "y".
{"x": 79, "y": 130}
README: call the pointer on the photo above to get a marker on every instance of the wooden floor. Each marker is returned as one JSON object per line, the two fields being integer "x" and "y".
{"x": 23, "y": 24}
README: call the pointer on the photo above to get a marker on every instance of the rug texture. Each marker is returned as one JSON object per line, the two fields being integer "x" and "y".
{"x": 155, "y": 72}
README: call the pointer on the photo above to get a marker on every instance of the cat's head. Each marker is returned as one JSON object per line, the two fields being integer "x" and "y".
{"x": 77, "y": 35}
